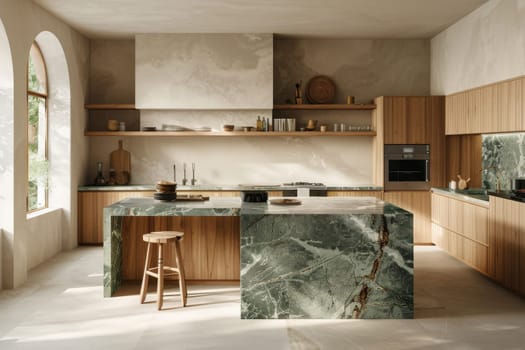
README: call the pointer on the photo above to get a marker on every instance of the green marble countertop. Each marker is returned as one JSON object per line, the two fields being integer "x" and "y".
{"x": 227, "y": 188}
{"x": 477, "y": 196}
{"x": 224, "y": 206}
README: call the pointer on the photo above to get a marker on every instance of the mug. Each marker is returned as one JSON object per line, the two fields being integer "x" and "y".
{"x": 113, "y": 125}
{"x": 452, "y": 185}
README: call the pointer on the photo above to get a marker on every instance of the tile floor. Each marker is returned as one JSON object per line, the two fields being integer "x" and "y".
{"x": 61, "y": 307}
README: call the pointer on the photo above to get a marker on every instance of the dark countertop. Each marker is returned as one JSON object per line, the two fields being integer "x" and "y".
{"x": 227, "y": 188}
{"x": 478, "y": 196}
{"x": 507, "y": 195}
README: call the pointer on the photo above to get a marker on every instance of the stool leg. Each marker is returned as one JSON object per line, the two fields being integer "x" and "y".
{"x": 182, "y": 276}
{"x": 160, "y": 279}
{"x": 145, "y": 277}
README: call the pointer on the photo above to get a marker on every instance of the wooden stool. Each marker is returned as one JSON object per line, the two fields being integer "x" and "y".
{"x": 161, "y": 238}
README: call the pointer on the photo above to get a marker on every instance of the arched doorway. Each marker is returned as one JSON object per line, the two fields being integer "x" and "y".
{"x": 6, "y": 156}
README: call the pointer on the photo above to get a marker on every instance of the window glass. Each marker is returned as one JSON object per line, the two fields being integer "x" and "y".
{"x": 37, "y": 132}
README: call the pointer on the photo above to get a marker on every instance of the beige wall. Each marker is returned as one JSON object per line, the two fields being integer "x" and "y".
{"x": 484, "y": 47}
{"x": 112, "y": 71}
{"x": 365, "y": 68}
{"x": 361, "y": 68}
{"x": 23, "y": 21}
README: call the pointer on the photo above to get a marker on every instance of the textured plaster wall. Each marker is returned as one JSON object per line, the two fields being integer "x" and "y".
{"x": 486, "y": 46}
{"x": 112, "y": 71}
{"x": 361, "y": 68}
{"x": 204, "y": 71}
{"x": 23, "y": 21}
{"x": 366, "y": 68}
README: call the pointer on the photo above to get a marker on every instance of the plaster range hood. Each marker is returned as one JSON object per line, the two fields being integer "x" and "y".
{"x": 204, "y": 71}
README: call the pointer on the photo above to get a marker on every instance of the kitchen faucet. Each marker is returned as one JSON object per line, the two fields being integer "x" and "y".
{"x": 193, "y": 180}
{"x": 184, "y": 179}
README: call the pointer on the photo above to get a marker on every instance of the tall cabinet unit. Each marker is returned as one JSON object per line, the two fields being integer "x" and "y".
{"x": 411, "y": 120}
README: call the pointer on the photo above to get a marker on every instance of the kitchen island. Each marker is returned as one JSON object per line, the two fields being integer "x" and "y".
{"x": 326, "y": 258}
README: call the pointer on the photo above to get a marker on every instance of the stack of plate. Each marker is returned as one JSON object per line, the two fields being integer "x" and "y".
{"x": 203, "y": 129}
{"x": 166, "y": 191}
{"x": 172, "y": 127}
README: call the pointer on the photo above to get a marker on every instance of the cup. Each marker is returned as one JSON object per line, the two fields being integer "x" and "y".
{"x": 122, "y": 126}
{"x": 323, "y": 128}
{"x": 342, "y": 127}
{"x": 290, "y": 124}
{"x": 336, "y": 127}
{"x": 350, "y": 100}
{"x": 113, "y": 125}
{"x": 452, "y": 185}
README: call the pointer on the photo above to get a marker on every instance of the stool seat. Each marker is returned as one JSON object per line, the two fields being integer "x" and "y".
{"x": 162, "y": 236}
{"x": 159, "y": 272}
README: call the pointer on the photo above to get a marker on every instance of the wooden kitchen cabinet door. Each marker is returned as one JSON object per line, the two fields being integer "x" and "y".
{"x": 506, "y": 243}
{"x": 406, "y": 120}
{"x": 90, "y": 212}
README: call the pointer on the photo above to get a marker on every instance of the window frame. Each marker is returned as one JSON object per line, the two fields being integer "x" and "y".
{"x": 45, "y": 97}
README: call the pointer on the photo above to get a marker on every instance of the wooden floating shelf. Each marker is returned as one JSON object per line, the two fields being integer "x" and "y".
{"x": 229, "y": 133}
{"x": 326, "y": 107}
{"x": 110, "y": 106}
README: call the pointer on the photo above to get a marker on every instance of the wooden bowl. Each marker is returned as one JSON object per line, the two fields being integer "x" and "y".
{"x": 228, "y": 127}
{"x": 166, "y": 186}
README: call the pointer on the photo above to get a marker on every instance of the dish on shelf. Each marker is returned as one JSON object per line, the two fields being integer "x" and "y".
{"x": 169, "y": 127}
{"x": 203, "y": 129}
{"x": 285, "y": 201}
{"x": 320, "y": 89}
{"x": 228, "y": 127}
{"x": 149, "y": 128}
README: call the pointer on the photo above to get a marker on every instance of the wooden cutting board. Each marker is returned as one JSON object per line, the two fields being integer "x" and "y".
{"x": 120, "y": 161}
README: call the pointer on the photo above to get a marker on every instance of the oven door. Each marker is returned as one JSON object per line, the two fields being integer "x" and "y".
{"x": 407, "y": 174}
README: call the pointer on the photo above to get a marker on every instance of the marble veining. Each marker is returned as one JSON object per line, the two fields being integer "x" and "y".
{"x": 336, "y": 257}
{"x": 503, "y": 156}
{"x": 327, "y": 266}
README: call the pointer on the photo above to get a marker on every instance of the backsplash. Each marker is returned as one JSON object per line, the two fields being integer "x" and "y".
{"x": 503, "y": 155}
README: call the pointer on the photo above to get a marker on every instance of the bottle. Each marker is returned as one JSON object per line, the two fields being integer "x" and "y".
{"x": 99, "y": 180}
{"x": 112, "y": 177}
{"x": 263, "y": 126}
{"x": 267, "y": 124}
{"x": 259, "y": 123}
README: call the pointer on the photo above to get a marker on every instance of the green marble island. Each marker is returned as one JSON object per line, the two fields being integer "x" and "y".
{"x": 329, "y": 258}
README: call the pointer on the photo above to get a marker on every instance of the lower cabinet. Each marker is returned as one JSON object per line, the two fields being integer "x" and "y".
{"x": 461, "y": 229}
{"x": 90, "y": 212}
{"x": 507, "y": 243}
{"x": 418, "y": 203}
{"x": 92, "y": 203}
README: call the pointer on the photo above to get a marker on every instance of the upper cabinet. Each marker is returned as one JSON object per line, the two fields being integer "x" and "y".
{"x": 204, "y": 71}
{"x": 410, "y": 120}
{"x": 498, "y": 107}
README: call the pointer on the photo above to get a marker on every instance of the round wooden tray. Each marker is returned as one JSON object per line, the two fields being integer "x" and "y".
{"x": 320, "y": 89}
{"x": 285, "y": 201}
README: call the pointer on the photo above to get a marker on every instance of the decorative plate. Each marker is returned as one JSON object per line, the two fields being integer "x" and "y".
{"x": 320, "y": 89}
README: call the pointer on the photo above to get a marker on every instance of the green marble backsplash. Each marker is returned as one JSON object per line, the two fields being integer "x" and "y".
{"x": 502, "y": 155}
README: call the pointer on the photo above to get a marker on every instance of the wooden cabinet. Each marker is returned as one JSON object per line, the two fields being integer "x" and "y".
{"x": 91, "y": 205}
{"x": 90, "y": 212}
{"x": 499, "y": 107}
{"x": 461, "y": 229}
{"x": 418, "y": 203}
{"x": 410, "y": 120}
{"x": 507, "y": 243}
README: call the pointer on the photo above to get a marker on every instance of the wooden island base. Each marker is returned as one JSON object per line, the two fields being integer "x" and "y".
{"x": 210, "y": 248}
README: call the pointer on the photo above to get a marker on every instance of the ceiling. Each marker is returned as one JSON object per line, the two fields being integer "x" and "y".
{"x": 294, "y": 18}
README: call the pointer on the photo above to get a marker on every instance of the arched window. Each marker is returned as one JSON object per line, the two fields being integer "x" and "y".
{"x": 37, "y": 130}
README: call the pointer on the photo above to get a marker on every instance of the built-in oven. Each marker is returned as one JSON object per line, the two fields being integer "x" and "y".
{"x": 407, "y": 167}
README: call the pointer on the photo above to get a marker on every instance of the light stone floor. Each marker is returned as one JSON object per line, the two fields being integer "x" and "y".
{"x": 61, "y": 307}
